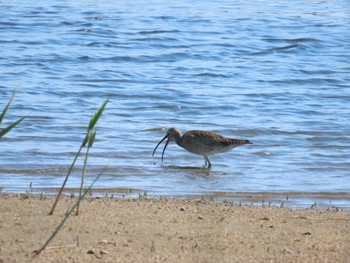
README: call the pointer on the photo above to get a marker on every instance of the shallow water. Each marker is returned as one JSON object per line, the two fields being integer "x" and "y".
{"x": 276, "y": 73}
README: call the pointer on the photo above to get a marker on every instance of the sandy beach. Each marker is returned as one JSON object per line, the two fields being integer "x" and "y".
{"x": 153, "y": 230}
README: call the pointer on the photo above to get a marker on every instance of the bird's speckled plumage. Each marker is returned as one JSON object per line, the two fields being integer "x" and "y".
{"x": 201, "y": 142}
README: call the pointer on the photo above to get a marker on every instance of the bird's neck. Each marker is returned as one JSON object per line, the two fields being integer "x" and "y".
{"x": 177, "y": 138}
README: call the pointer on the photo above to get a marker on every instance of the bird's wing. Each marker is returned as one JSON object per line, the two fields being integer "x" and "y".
{"x": 208, "y": 138}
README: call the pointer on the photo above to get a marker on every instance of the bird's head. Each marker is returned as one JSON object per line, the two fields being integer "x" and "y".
{"x": 172, "y": 134}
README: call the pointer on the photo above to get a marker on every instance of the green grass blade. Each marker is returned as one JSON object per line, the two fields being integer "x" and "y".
{"x": 89, "y": 137}
{"x": 92, "y": 136}
{"x": 98, "y": 114}
{"x": 10, "y": 127}
{"x": 3, "y": 114}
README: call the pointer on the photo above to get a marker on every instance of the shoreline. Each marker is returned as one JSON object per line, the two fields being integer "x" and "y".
{"x": 290, "y": 199}
{"x": 169, "y": 230}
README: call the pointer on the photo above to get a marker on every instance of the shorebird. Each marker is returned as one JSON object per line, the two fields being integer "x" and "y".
{"x": 201, "y": 142}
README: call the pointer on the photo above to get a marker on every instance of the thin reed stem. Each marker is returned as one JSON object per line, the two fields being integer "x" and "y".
{"x": 90, "y": 137}
{"x": 82, "y": 179}
{"x": 66, "y": 179}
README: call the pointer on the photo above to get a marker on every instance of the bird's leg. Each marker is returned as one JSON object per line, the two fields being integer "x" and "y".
{"x": 207, "y": 162}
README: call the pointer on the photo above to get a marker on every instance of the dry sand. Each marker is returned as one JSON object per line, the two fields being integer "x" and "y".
{"x": 152, "y": 230}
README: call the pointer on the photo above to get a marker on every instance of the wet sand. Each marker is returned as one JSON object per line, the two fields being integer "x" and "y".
{"x": 153, "y": 230}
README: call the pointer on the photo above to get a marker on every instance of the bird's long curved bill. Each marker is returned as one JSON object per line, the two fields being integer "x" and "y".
{"x": 166, "y": 144}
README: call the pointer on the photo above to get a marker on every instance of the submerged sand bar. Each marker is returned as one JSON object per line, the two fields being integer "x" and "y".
{"x": 163, "y": 230}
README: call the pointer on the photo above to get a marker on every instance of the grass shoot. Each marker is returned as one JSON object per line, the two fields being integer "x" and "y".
{"x": 3, "y": 114}
{"x": 89, "y": 139}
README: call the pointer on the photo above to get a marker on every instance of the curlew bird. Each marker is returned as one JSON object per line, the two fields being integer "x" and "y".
{"x": 201, "y": 142}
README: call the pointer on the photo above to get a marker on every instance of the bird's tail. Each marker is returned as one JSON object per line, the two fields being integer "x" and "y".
{"x": 237, "y": 143}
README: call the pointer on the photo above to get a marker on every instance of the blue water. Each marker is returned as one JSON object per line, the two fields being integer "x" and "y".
{"x": 274, "y": 72}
